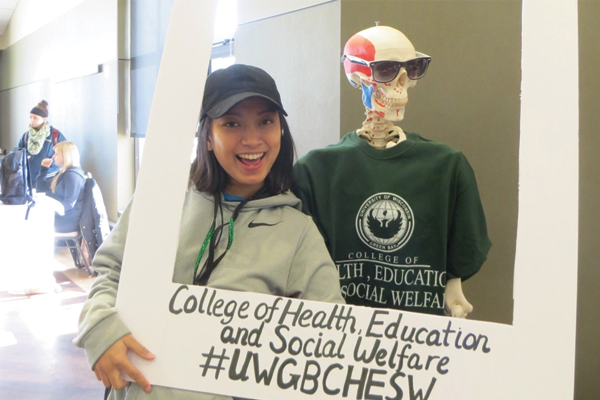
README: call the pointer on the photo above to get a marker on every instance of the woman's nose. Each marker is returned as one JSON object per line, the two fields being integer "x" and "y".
{"x": 251, "y": 136}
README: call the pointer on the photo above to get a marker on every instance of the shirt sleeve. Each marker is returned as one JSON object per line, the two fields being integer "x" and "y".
{"x": 21, "y": 143}
{"x": 68, "y": 188}
{"x": 313, "y": 275}
{"x": 99, "y": 323}
{"x": 302, "y": 186}
{"x": 468, "y": 240}
{"x": 43, "y": 182}
{"x": 303, "y": 189}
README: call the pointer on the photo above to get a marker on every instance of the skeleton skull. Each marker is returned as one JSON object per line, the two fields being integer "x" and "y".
{"x": 380, "y": 43}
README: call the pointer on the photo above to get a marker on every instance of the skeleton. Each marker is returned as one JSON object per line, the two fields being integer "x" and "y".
{"x": 385, "y": 100}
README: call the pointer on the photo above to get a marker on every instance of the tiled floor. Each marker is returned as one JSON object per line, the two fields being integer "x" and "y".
{"x": 38, "y": 359}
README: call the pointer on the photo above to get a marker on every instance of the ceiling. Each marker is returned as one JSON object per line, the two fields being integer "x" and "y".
{"x": 7, "y": 7}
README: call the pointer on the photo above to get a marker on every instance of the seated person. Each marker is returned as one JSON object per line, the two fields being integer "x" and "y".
{"x": 66, "y": 187}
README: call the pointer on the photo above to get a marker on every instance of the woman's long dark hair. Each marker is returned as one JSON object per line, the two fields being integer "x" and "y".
{"x": 207, "y": 175}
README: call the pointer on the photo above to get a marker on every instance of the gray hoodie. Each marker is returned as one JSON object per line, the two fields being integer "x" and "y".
{"x": 276, "y": 250}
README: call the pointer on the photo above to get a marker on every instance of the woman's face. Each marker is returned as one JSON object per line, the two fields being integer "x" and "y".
{"x": 58, "y": 158}
{"x": 246, "y": 141}
{"x": 36, "y": 121}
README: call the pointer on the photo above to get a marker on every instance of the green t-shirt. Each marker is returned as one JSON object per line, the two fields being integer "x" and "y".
{"x": 398, "y": 222}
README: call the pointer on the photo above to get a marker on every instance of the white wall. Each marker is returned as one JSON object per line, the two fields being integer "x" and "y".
{"x": 254, "y": 10}
{"x": 31, "y": 15}
{"x": 301, "y": 62}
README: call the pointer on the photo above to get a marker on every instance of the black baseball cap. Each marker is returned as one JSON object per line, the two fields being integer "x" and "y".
{"x": 226, "y": 87}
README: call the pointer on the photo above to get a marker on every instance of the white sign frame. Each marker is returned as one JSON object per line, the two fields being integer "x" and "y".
{"x": 533, "y": 358}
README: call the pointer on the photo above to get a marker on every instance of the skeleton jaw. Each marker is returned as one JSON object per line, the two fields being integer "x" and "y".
{"x": 387, "y": 100}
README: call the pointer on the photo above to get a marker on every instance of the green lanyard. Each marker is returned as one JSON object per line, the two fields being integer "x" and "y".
{"x": 211, "y": 240}
{"x": 214, "y": 235}
{"x": 207, "y": 239}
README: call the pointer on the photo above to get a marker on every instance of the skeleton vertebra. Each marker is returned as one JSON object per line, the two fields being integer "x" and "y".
{"x": 379, "y": 132}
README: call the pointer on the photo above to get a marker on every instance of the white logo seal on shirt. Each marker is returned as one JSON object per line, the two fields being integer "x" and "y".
{"x": 385, "y": 222}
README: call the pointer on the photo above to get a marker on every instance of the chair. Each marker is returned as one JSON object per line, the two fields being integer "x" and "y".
{"x": 73, "y": 242}
{"x": 93, "y": 227}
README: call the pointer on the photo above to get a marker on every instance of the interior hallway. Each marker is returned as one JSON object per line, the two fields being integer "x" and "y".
{"x": 38, "y": 359}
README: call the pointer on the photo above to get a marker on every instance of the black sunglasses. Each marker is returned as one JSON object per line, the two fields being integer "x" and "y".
{"x": 387, "y": 70}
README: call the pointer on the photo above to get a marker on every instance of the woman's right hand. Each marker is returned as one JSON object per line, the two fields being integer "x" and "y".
{"x": 109, "y": 366}
{"x": 46, "y": 162}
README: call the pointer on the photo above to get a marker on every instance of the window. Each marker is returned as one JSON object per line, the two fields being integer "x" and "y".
{"x": 148, "y": 33}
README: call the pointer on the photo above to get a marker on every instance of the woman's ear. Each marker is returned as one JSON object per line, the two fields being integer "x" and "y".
{"x": 209, "y": 144}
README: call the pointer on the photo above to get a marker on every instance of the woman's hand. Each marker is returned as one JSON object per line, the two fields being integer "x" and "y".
{"x": 46, "y": 162}
{"x": 109, "y": 366}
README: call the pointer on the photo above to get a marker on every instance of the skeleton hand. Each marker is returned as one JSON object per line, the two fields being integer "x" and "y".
{"x": 456, "y": 304}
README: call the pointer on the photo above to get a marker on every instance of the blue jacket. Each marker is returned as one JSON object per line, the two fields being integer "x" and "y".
{"x": 47, "y": 151}
{"x": 70, "y": 192}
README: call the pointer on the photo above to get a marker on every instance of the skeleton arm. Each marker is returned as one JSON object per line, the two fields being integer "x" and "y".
{"x": 456, "y": 303}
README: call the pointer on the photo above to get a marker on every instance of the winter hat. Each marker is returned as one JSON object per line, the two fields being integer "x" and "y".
{"x": 226, "y": 87}
{"x": 41, "y": 109}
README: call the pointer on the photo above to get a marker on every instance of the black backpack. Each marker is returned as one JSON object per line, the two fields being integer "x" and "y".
{"x": 15, "y": 181}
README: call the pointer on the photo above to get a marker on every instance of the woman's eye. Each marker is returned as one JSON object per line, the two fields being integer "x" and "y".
{"x": 266, "y": 122}
{"x": 230, "y": 124}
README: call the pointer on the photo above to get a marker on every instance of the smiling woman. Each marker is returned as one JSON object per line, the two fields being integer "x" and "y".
{"x": 246, "y": 142}
{"x": 241, "y": 177}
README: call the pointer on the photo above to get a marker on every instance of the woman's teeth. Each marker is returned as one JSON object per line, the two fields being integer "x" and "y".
{"x": 251, "y": 156}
